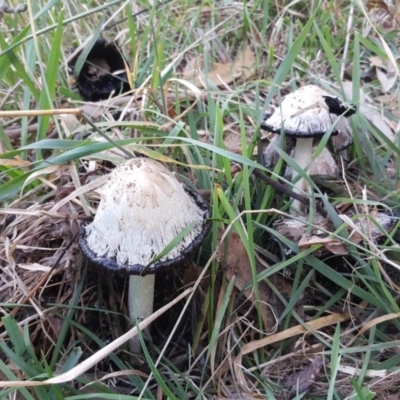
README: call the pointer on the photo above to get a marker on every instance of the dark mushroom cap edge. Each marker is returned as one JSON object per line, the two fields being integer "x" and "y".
{"x": 335, "y": 106}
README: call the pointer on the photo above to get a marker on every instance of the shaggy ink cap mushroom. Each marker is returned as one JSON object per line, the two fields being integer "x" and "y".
{"x": 143, "y": 208}
{"x": 305, "y": 114}
{"x": 103, "y": 72}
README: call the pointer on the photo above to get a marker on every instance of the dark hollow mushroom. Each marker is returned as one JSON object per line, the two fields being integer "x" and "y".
{"x": 143, "y": 208}
{"x": 104, "y": 72}
{"x": 306, "y": 114}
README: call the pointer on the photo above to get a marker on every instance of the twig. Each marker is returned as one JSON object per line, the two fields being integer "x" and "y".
{"x": 15, "y": 133}
{"x": 5, "y": 8}
{"x": 285, "y": 190}
{"x": 39, "y": 113}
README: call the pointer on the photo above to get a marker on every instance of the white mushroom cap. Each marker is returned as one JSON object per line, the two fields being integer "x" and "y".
{"x": 143, "y": 208}
{"x": 309, "y": 112}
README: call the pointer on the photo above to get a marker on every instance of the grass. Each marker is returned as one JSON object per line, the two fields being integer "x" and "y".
{"x": 268, "y": 317}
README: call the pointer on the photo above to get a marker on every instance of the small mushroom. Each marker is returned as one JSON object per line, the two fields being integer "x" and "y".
{"x": 103, "y": 74}
{"x": 309, "y": 113}
{"x": 143, "y": 208}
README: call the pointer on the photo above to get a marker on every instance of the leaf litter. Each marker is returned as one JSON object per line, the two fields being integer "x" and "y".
{"x": 221, "y": 73}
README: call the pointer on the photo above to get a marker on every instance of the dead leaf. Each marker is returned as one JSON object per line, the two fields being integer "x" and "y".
{"x": 361, "y": 229}
{"x": 233, "y": 142}
{"x": 69, "y": 123}
{"x": 99, "y": 108}
{"x": 238, "y": 266}
{"x": 386, "y": 98}
{"x": 222, "y": 73}
{"x": 332, "y": 245}
{"x": 291, "y": 228}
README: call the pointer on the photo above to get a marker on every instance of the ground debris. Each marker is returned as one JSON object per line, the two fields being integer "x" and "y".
{"x": 237, "y": 266}
{"x": 5, "y": 8}
{"x": 368, "y": 227}
{"x": 222, "y": 73}
{"x": 305, "y": 379}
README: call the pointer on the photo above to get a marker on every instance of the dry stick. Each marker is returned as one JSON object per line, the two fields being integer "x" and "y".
{"x": 14, "y": 133}
{"x": 39, "y": 113}
{"x": 5, "y": 8}
{"x": 285, "y": 190}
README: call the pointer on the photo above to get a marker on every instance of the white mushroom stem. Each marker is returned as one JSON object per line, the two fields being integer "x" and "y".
{"x": 140, "y": 303}
{"x": 302, "y": 156}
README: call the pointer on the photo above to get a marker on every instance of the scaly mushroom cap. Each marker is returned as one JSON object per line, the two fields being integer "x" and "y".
{"x": 143, "y": 208}
{"x": 309, "y": 112}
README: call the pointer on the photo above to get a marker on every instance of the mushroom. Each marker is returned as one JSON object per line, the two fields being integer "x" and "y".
{"x": 103, "y": 73}
{"x": 143, "y": 208}
{"x": 305, "y": 114}
{"x": 323, "y": 165}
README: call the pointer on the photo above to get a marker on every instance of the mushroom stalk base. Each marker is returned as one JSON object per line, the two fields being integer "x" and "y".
{"x": 140, "y": 303}
{"x": 302, "y": 156}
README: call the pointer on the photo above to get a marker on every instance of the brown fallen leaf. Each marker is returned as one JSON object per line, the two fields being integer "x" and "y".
{"x": 221, "y": 73}
{"x": 332, "y": 245}
{"x": 233, "y": 142}
{"x": 238, "y": 266}
{"x": 362, "y": 228}
{"x": 295, "y": 229}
